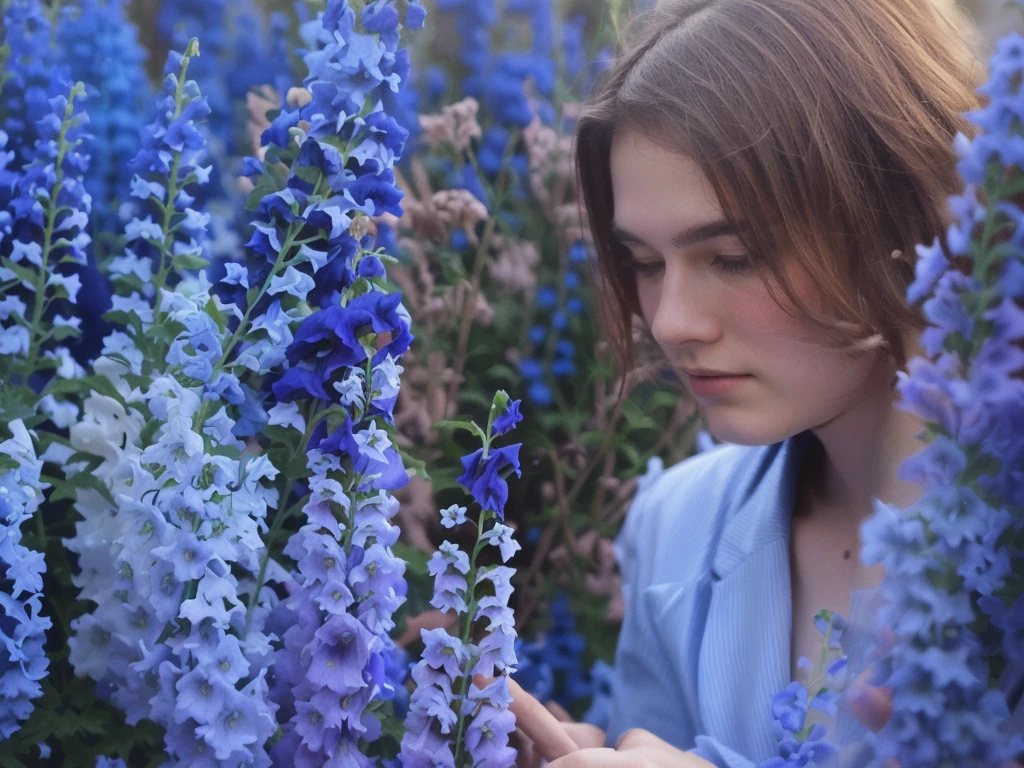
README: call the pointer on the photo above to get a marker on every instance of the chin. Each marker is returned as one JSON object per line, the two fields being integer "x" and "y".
{"x": 744, "y": 432}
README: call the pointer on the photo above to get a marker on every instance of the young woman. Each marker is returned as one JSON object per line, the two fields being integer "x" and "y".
{"x": 756, "y": 175}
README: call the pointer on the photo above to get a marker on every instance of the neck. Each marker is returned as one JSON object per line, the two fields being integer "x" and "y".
{"x": 862, "y": 450}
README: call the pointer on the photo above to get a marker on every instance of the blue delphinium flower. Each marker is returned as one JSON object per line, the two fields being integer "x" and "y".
{"x": 171, "y": 551}
{"x": 801, "y": 742}
{"x": 43, "y": 235}
{"x": 23, "y": 662}
{"x": 33, "y": 74}
{"x": 485, "y": 470}
{"x": 41, "y": 65}
{"x": 100, "y": 47}
{"x": 485, "y": 473}
{"x": 451, "y": 720}
{"x": 176, "y": 635}
{"x": 181, "y": 20}
{"x": 506, "y": 420}
{"x": 955, "y": 554}
{"x": 335, "y": 378}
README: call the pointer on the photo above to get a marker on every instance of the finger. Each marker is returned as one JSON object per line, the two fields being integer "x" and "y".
{"x": 635, "y": 738}
{"x": 540, "y": 726}
{"x": 871, "y": 705}
{"x": 559, "y": 712}
{"x": 482, "y": 681}
{"x": 526, "y": 757}
{"x": 585, "y": 735}
{"x": 593, "y": 758}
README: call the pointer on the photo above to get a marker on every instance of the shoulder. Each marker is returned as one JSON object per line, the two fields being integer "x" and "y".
{"x": 675, "y": 521}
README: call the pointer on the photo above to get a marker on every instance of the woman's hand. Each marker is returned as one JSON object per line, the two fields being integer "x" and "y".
{"x": 544, "y": 737}
{"x": 552, "y": 731}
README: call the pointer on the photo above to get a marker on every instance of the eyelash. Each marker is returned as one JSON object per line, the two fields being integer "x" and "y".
{"x": 731, "y": 267}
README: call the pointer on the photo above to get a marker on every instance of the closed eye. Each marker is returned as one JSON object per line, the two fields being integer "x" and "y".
{"x": 733, "y": 266}
{"x": 730, "y": 267}
{"x": 647, "y": 268}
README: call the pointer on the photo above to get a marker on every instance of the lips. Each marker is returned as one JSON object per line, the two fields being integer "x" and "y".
{"x": 709, "y": 373}
{"x": 716, "y": 386}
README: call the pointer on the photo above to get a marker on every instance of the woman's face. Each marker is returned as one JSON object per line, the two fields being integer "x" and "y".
{"x": 708, "y": 309}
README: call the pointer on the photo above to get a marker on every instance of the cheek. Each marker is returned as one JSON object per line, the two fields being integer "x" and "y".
{"x": 648, "y": 294}
{"x": 775, "y": 320}
{"x": 796, "y": 354}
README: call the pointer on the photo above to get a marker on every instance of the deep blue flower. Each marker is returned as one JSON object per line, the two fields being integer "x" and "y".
{"x": 485, "y": 477}
{"x": 508, "y": 419}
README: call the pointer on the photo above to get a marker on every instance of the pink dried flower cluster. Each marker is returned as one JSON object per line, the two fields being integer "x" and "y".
{"x": 514, "y": 264}
{"x": 456, "y": 125}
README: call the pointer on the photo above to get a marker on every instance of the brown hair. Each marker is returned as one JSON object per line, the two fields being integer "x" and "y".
{"x": 826, "y": 126}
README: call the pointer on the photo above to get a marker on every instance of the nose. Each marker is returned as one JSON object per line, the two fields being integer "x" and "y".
{"x": 685, "y": 313}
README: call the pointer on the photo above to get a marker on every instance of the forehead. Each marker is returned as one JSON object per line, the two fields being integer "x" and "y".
{"x": 653, "y": 185}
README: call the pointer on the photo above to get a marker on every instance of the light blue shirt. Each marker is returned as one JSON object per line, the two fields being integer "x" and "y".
{"x": 706, "y": 637}
{"x": 705, "y": 641}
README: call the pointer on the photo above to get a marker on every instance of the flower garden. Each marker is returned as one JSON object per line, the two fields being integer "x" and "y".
{"x": 306, "y": 420}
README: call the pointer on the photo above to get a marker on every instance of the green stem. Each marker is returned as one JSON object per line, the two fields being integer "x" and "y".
{"x": 243, "y": 325}
{"x": 172, "y": 192}
{"x": 279, "y": 520}
{"x": 50, "y": 218}
{"x": 466, "y": 629}
{"x": 282, "y": 257}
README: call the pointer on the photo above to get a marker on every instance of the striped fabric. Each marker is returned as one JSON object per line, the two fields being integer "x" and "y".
{"x": 706, "y": 636}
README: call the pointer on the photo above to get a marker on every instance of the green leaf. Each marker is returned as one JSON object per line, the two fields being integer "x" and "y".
{"x": 126, "y": 319}
{"x": 503, "y": 372}
{"x": 16, "y": 403}
{"x": 662, "y": 399}
{"x": 99, "y": 384}
{"x": 632, "y": 455}
{"x": 66, "y": 489}
{"x": 117, "y": 356}
{"x": 189, "y": 261}
{"x": 415, "y": 467}
{"x": 61, "y": 332}
{"x": 92, "y": 461}
{"x": 308, "y": 173}
{"x": 636, "y": 418}
{"x": 218, "y": 317}
{"x": 251, "y": 294}
{"x": 475, "y": 397}
{"x": 25, "y": 274}
{"x": 167, "y": 332}
{"x": 266, "y": 184}
{"x": 467, "y": 426}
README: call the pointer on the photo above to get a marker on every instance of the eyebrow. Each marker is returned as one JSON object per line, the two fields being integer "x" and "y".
{"x": 687, "y": 237}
